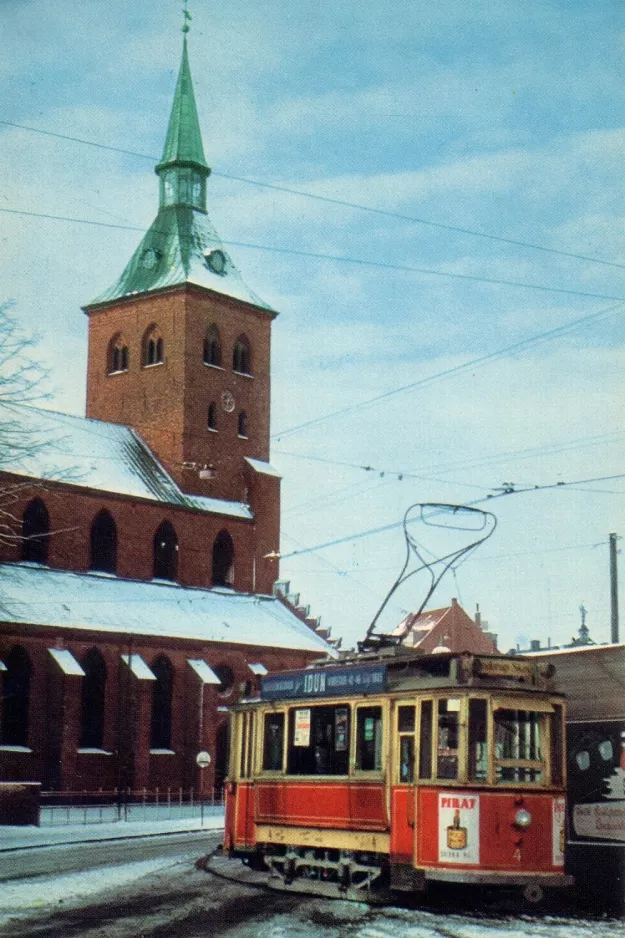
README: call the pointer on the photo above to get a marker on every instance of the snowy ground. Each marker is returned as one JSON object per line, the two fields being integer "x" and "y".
{"x": 30, "y": 895}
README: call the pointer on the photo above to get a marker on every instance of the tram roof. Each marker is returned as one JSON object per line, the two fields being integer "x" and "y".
{"x": 396, "y": 670}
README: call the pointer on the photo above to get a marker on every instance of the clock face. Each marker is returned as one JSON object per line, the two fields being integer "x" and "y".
{"x": 227, "y": 402}
{"x": 216, "y": 260}
{"x": 149, "y": 259}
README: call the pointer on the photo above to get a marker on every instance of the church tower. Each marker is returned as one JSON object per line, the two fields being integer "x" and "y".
{"x": 179, "y": 346}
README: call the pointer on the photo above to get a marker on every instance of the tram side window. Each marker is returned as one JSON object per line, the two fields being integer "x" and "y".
{"x": 517, "y": 741}
{"x": 369, "y": 739}
{"x": 318, "y": 741}
{"x": 425, "y": 743}
{"x": 478, "y": 761}
{"x": 273, "y": 742}
{"x": 447, "y": 754}
{"x": 405, "y": 732}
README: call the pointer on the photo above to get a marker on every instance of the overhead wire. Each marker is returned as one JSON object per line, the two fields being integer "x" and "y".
{"x": 349, "y": 538}
{"x": 447, "y": 373}
{"x": 342, "y": 203}
{"x": 337, "y": 258}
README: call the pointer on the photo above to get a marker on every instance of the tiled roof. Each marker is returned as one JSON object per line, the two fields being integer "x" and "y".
{"x": 97, "y": 455}
{"x": 39, "y": 596}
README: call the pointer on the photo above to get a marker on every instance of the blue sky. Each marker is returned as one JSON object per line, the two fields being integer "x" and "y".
{"x": 499, "y": 117}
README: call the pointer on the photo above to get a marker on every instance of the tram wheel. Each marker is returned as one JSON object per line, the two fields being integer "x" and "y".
{"x": 533, "y": 893}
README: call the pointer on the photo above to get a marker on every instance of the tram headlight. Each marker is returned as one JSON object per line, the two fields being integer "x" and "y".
{"x": 522, "y": 818}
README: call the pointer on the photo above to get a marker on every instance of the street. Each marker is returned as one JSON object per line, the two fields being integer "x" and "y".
{"x": 54, "y": 860}
{"x": 168, "y": 897}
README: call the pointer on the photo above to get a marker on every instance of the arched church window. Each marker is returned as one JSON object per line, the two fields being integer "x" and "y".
{"x": 241, "y": 356}
{"x": 93, "y": 696}
{"x": 35, "y": 532}
{"x": 153, "y": 347}
{"x": 243, "y": 424}
{"x": 165, "y": 552}
{"x": 117, "y": 354}
{"x": 226, "y": 678}
{"x": 162, "y": 695}
{"x": 16, "y": 698}
{"x": 104, "y": 543}
{"x": 212, "y": 416}
{"x": 223, "y": 560}
{"x": 212, "y": 346}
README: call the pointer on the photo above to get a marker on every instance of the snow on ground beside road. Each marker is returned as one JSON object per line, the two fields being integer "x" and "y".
{"x": 32, "y": 895}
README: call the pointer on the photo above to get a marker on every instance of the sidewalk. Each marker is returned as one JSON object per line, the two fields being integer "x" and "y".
{"x": 24, "y": 838}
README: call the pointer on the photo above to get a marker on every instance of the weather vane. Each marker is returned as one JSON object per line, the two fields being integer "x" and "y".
{"x": 187, "y": 18}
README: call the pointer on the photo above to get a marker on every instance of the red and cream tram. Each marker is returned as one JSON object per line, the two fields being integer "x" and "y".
{"x": 392, "y": 771}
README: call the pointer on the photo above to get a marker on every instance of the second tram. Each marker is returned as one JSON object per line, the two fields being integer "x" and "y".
{"x": 394, "y": 771}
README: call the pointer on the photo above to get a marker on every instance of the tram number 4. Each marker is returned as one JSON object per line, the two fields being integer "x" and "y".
{"x": 517, "y": 855}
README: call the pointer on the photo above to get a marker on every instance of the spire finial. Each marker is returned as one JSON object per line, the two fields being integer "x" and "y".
{"x": 187, "y": 18}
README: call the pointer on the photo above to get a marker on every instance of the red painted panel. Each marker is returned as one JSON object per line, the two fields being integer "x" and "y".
{"x": 402, "y": 824}
{"x": 353, "y": 806}
{"x": 501, "y": 845}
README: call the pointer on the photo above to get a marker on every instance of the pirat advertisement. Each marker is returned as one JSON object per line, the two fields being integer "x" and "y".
{"x": 458, "y": 827}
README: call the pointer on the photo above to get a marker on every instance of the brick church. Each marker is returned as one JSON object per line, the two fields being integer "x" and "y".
{"x": 136, "y": 588}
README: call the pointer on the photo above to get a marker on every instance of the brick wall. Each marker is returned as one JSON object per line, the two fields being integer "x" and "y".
{"x": 125, "y": 760}
{"x": 168, "y": 403}
{"x": 72, "y": 510}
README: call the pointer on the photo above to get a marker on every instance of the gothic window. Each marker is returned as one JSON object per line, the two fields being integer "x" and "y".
{"x": 15, "y": 698}
{"x": 243, "y": 424}
{"x": 35, "y": 532}
{"x": 117, "y": 354}
{"x": 241, "y": 356}
{"x": 153, "y": 347}
{"x": 223, "y": 560}
{"x": 212, "y": 416}
{"x": 93, "y": 694}
{"x": 162, "y": 693}
{"x": 212, "y": 346}
{"x": 104, "y": 543}
{"x": 165, "y": 552}
{"x": 226, "y": 678}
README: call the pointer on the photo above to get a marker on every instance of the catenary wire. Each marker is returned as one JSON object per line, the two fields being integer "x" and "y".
{"x": 337, "y": 258}
{"x": 454, "y": 370}
{"x": 349, "y": 538}
{"x": 342, "y": 203}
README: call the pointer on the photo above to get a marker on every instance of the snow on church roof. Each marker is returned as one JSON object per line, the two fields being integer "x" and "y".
{"x": 34, "y": 595}
{"x": 95, "y": 454}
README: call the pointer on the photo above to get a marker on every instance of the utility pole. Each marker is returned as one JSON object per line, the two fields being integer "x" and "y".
{"x": 613, "y": 589}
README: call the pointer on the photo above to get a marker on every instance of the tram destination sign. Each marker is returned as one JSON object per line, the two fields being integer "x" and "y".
{"x": 324, "y": 682}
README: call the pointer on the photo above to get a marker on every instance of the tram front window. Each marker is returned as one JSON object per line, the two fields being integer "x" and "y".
{"x": 447, "y": 755}
{"x": 318, "y": 741}
{"x": 518, "y": 745}
{"x": 274, "y": 740}
{"x": 478, "y": 761}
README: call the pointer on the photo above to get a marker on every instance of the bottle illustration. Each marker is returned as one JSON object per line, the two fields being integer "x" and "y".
{"x": 456, "y": 835}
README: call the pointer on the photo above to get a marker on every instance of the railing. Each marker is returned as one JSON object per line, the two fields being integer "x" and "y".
{"x": 106, "y": 807}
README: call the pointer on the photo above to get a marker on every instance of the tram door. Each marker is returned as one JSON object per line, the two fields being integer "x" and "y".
{"x": 403, "y": 783}
{"x": 246, "y": 791}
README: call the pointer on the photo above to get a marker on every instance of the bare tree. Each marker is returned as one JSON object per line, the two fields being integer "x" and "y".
{"x": 23, "y": 381}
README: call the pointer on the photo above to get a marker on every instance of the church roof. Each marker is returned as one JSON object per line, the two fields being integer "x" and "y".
{"x": 176, "y": 250}
{"x": 95, "y": 454}
{"x": 181, "y": 246}
{"x": 39, "y": 596}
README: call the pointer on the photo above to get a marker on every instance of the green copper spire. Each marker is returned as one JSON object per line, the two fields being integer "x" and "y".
{"x": 183, "y": 169}
{"x": 181, "y": 246}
